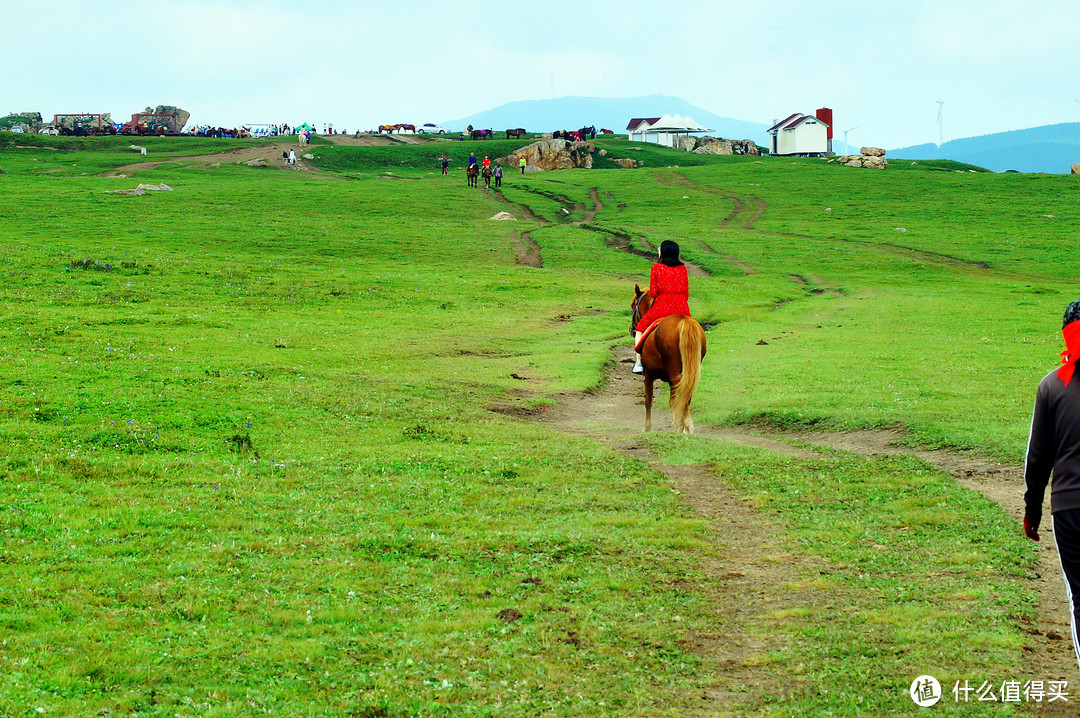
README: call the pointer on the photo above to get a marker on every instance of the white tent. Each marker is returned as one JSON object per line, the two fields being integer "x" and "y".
{"x": 667, "y": 129}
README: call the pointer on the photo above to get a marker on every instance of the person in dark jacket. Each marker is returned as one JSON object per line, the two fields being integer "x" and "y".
{"x": 1054, "y": 448}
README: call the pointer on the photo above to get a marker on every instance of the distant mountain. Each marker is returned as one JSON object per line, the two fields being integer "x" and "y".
{"x": 567, "y": 113}
{"x": 1051, "y": 149}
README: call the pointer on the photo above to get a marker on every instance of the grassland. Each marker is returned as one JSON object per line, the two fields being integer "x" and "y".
{"x": 250, "y": 462}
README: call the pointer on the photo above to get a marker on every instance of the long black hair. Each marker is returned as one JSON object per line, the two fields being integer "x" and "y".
{"x": 669, "y": 253}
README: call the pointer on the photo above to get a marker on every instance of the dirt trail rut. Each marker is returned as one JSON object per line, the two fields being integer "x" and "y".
{"x": 751, "y": 567}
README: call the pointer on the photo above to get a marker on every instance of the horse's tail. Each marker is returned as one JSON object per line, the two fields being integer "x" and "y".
{"x": 691, "y": 349}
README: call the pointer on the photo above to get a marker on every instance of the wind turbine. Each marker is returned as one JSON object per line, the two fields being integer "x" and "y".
{"x": 847, "y": 147}
{"x": 940, "y": 126}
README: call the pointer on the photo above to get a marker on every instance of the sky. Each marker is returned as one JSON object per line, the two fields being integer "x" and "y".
{"x": 882, "y": 65}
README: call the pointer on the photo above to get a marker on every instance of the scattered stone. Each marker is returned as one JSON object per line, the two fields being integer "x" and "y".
{"x": 308, "y": 156}
{"x": 503, "y": 216}
{"x": 135, "y": 192}
{"x": 1075, "y": 169}
{"x": 626, "y": 163}
{"x": 900, "y": 229}
{"x": 828, "y": 209}
{"x": 510, "y": 615}
{"x": 872, "y": 152}
{"x": 156, "y": 187}
{"x": 257, "y": 162}
{"x": 1048, "y": 216}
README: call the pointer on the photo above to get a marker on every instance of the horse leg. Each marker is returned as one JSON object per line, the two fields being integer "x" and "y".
{"x": 679, "y": 414}
{"x": 648, "y": 400}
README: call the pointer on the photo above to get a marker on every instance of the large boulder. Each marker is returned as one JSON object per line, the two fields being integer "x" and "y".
{"x": 626, "y": 163}
{"x": 1075, "y": 169}
{"x": 872, "y": 152}
{"x": 713, "y": 146}
{"x": 181, "y": 115}
{"x": 554, "y": 155}
{"x": 686, "y": 142}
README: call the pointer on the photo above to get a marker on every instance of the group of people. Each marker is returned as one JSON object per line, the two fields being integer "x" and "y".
{"x": 485, "y": 169}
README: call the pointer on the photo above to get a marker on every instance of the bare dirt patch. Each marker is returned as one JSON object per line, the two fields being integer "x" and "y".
{"x": 751, "y": 566}
{"x": 271, "y": 153}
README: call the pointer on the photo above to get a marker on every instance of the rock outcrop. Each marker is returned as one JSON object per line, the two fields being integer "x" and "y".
{"x": 872, "y": 152}
{"x": 627, "y": 163}
{"x": 181, "y": 115}
{"x": 553, "y": 155}
{"x": 873, "y": 162}
{"x": 27, "y": 121}
{"x": 709, "y": 145}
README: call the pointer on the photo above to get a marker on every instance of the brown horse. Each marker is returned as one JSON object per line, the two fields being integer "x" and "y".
{"x": 519, "y": 132}
{"x": 471, "y": 174}
{"x": 672, "y": 352}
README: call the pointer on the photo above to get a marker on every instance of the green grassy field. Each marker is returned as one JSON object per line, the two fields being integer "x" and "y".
{"x": 250, "y": 462}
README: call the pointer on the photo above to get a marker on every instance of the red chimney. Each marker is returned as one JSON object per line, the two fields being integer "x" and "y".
{"x": 825, "y": 115}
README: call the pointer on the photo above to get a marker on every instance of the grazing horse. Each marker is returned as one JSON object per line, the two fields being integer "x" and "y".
{"x": 606, "y": 132}
{"x": 672, "y": 352}
{"x": 471, "y": 174}
{"x": 519, "y": 132}
{"x": 481, "y": 134}
{"x": 388, "y": 129}
{"x": 403, "y": 127}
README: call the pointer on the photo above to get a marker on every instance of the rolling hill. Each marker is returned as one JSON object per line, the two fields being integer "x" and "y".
{"x": 1050, "y": 148}
{"x": 612, "y": 113}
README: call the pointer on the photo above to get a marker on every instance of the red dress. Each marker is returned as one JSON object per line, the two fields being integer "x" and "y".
{"x": 670, "y": 289}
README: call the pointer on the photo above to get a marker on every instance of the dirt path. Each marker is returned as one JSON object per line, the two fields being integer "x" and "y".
{"x": 270, "y": 153}
{"x": 751, "y": 566}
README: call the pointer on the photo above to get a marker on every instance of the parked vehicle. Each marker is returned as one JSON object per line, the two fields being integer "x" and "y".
{"x": 430, "y": 128}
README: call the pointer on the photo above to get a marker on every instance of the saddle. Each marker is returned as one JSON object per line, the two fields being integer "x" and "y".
{"x": 645, "y": 335}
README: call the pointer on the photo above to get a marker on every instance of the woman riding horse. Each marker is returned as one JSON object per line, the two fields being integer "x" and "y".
{"x": 669, "y": 288}
{"x": 670, "y": 343}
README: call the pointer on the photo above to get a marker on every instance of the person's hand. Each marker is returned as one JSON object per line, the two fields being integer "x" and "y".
{"x": 1030, "y": 531}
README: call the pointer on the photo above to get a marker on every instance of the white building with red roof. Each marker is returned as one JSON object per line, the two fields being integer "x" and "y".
{"x": 799, "y": 134}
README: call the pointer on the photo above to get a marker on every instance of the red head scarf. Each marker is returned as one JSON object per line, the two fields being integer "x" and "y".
{"x": 1071, "y": 332}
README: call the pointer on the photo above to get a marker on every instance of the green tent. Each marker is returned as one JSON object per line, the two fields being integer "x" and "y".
{"x": 305, "y": 126}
